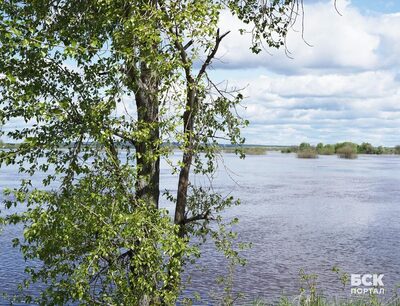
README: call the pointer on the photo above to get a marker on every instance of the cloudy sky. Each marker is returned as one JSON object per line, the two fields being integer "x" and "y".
{"x": 344, "y": 87}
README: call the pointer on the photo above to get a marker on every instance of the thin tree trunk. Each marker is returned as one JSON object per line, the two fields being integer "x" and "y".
{"x": 183, "y": 183}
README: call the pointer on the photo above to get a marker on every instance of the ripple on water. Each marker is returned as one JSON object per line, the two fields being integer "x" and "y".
{"x": 298, "y": 214}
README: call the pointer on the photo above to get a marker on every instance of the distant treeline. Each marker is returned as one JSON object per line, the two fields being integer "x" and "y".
{"x": 343, "y": 149}
{"x": 302, "y": 149}
{"x": 225, "y": 148}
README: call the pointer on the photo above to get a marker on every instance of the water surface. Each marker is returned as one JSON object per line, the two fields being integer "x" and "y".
{"x": 298, "y": 214}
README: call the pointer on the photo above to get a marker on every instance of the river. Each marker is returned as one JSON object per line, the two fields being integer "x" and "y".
{"x": 298, "y": 214}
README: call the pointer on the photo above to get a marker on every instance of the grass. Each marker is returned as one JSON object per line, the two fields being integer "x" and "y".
{"x": 323, "y": 301}
{"x": 310, "y": 295}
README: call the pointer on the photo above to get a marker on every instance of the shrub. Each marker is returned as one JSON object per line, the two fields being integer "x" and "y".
{"x": 255, "y": 151}
{"x": 307, "y": 153}
{"x": 326, "y": 150}
{"x": 292, "y": 149}
{"x": 347, "y": 151}
{"x": 366, "y": 148}
{"x": 397, "y": 150}
{"x": 247, "y": 150}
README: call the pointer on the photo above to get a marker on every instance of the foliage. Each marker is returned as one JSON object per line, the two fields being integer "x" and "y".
{"x": 68, "y": 68}
{"x": 330, "y": 149}
{"x": 307, "y": 153}
{"x": 304, "y": 146}
{"x": 348, "y": 145}
{"x": 397, "y": 150}
{"x": 367, "y": 148}
{"x": 292, "y": 149}
{"x": 247, "y": 150}
{"x": 327, "y": 149}
{"x": 347, "y": 151}
{"x": 94, "y": 233}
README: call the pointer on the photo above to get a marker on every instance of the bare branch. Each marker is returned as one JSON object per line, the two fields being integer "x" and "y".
{"x": 212, "y": 54}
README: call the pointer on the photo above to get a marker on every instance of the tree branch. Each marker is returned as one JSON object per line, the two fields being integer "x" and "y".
{"x": 212, "y": 54}
{"x": 205, "y": 216}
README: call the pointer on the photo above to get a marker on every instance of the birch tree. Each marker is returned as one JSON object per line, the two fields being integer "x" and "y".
{"x": 68, "y": 67}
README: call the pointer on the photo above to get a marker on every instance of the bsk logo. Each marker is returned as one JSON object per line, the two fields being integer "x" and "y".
{"x": 367, "y": 283}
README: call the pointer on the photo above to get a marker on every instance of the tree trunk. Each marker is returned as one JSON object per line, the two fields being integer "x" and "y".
{"x": 147, "y": 156}
{"x": 183, "y": 183}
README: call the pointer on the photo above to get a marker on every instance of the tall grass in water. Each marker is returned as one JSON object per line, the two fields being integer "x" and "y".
{"x": 347, "y": 151}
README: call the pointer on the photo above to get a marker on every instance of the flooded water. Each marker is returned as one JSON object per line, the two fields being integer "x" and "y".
{"x": 298, "y": 214}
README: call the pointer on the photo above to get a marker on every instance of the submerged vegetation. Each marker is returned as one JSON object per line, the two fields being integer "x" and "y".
{"x": 347, "y": 151}
{"x": 343, "y": 150}
{"x": 307, "y": 151}
{"x": 247, "y": 150}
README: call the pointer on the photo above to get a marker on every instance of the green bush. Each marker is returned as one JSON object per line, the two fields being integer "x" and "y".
{"x": 366, "y": 148}
{"x": 326, "y": 149}
{"x": 292, "y": 149}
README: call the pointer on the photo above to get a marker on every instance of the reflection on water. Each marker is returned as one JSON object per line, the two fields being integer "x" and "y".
{"x": 311, "y": 214}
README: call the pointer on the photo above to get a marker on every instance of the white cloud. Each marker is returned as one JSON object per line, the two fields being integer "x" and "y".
{"x": 337, "y": 42}
{"x": 345, "y": 87}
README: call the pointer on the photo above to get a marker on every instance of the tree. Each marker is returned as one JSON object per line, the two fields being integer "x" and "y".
{"x": 397, "y": 150}
{"x": 68, "y": 67}
{"x": 304, "y": 146}
{"x": 366, "y": 148}
{"x": 327, "y": 149}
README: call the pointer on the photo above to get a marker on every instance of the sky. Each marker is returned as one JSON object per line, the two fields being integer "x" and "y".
{"x": 344, "y": 87}
{"x": 340, "y": 83}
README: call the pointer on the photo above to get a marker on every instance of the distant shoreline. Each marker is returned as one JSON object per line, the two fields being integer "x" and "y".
{"x": 251, "y": 149}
